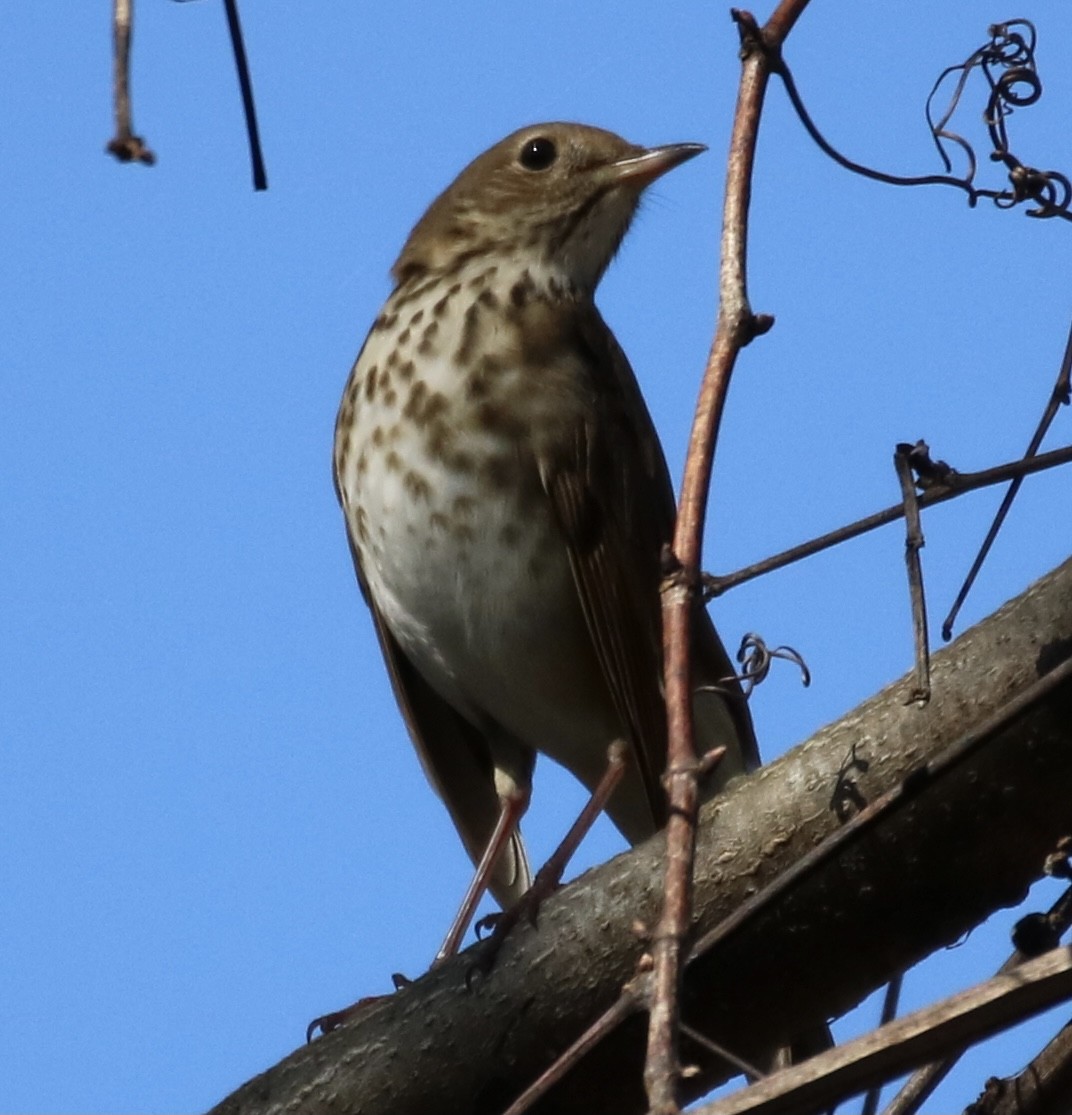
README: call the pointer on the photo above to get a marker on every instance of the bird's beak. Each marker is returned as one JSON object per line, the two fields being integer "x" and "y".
{"x": 641, "y": 170}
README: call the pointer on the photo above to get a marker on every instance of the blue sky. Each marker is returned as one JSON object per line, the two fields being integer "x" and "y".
{"x": 212, "y": 825}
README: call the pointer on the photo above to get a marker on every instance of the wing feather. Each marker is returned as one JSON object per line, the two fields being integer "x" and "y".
{"x": 611, "y": 493}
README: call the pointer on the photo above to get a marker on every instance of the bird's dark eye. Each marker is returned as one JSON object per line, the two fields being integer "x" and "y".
{"x": 538, "y": 153}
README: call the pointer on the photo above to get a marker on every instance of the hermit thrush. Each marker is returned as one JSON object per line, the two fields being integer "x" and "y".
{"x": 507, "y": 500}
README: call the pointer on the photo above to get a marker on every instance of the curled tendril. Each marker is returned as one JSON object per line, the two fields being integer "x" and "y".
{"x": 1007, "y": 62}
{"x": 1007, "y": 90}
{"x": 756, "y": 659}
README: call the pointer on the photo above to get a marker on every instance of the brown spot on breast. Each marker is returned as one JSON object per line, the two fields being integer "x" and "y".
{"x": 522, "y": 290}
{"x": 361, "y": 525}
{"x": 498, "y": 419}
{"x": 479, "y": 383}
{"x": 403, "y": 337}
{"x": 498, "y": 472}
{"x": 438, "y": 521}
{"x": 441, "y": 306}
{"x": 460, "y": 461}
{"x": 426, "y": 345}
{"x": 393, "y": 462}
{"x": 476, "y": 386}
{"x": 423, "y": 406}
{"x": 393, "y": 358}
{"x": 436, "y": 406}
{"x": 390, "y": 397}
{"x": 377, "y": 436}
{"x": 439, "y": 439}
{"x": 384, "y": 321}
{"x": 478, "y": 281}
{"x": 370, "y": 383}
{"x": 416, "y": 319}
{"x": 416, "y": 485}
{"x": 362, "y": 463}
{"x": 463, "y": 505}
{"x": 488, "y": 298}
{"x": 407, "y": 370}
{"x": 417, "y": 393}
{"x": 510, "y": 535}
{"x": 470, "y": 326}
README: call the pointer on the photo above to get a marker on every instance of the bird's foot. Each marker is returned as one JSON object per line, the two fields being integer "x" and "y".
{"x": 325, "y": 1023}
{"x": 526, "y": 908}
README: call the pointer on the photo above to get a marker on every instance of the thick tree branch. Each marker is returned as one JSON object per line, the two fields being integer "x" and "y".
{"x": 965, "y": 844}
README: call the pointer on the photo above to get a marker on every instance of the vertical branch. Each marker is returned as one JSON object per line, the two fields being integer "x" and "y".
{"x": 125, "y": 145}
{"x": 736, "y": 327}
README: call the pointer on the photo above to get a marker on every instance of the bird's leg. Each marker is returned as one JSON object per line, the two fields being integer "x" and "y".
{"x": 513, "y": 804}
{"x": 550, "y": 875}
{"x": 512, "y": 808}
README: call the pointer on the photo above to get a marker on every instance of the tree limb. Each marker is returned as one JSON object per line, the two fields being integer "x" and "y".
{"x": 962, "y": 846}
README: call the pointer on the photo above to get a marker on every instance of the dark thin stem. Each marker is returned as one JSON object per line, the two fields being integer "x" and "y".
{"x": 727, "y": 1055}
{"x": 607, "y": 1022}
{"x": 890, "y": 1002}
{"x": 1058, "y": 396}
{"x": 260, "y": 176}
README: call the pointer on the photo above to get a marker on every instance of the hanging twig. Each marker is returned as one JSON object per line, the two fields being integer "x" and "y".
{"x": 902, "y": 462}
{"x": 249, "y": 108}
{"x": 125, "y": 145}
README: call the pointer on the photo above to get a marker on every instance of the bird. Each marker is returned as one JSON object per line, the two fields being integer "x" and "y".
{"x": 507, "y": 502}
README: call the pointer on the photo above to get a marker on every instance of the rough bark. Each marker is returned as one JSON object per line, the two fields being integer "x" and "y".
{"x": 965, "y": 844}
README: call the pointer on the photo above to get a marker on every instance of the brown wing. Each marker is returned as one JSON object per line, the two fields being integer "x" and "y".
{"x": 611, "y": 491}
{"x": 455, "y": 759}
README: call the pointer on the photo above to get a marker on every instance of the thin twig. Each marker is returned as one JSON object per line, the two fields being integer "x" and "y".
{"x": 956, "y": 485}
{"x": 1059, "y": 396}
{"x": 125, "y": 145}
{"x": 727, "y": 1055}
{"x": 890, "y": 1002}
{"x": 914, "y": 542}
{"x": 625, "y": 1005}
